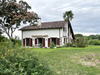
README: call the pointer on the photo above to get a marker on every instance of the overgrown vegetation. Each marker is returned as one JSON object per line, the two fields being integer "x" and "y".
{"x": 83, "y": 41}
{"x": 41, "y": 45}
{"x": 80, "y": 42}
{"x": 68, "y": 45}
{"x": 15, "y": 60}
{"x": 52, "y": 45}
{"x": 94, "y": 42}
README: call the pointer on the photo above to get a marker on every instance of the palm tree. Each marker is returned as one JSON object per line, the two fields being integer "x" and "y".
{"x": 68, "y": 16}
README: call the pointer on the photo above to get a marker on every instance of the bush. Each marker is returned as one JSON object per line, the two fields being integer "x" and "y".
{"x": 94, "y": 42}
{"x": 15, "y": 41}
{"x": 80, "y": 42}
{"x": 68, "y": 45}
{"x": 60, "y": 46}
{"x": 20, "y": 61}
{"x": 41, "y": 45}
{"x": 52, "y": 45}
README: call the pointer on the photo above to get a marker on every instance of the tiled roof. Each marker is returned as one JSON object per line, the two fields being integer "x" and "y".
{"x": 45, "y": 25}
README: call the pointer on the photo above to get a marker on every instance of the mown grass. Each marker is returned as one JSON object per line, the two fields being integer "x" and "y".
{"x": 71, "y": 61}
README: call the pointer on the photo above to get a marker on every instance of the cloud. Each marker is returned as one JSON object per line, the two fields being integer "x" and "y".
{"x": 86, "y": 13}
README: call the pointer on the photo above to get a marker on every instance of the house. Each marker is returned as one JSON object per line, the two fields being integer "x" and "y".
{"x": 59, "y": 32}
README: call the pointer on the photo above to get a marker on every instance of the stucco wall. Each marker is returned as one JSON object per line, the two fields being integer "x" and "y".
{"x": 49, "y": 32}
{"x": 57, "y": 33}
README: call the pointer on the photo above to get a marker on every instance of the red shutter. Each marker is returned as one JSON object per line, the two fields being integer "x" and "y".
{"x": 48, "y": 42}
{"x": 23, "y": 42}
{"x": 35, "y": 41}
{"x": 43, "y": 40}
{"x": 58, "y": 41}
{"x": 31, "y": 42}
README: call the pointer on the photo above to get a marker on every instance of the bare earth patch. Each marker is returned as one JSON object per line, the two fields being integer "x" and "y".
{"x": 89, "y": 59}
{"x": 88, "y": 63}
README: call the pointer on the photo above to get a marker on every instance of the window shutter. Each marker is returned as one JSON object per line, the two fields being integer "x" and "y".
{"x": 43, "y": 40}
{"x": 30, "y": 42}
{"x": 23, "y": 42}
{"x": 48, "y": 42}
{"x": 35, "y": 41}
{"x": 58, "y": 41}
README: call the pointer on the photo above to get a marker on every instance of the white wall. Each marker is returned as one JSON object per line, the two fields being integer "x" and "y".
{"x": 49, "y": 32}
{"x": 65, "y": 31}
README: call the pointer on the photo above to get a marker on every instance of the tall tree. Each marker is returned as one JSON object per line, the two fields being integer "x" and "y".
{"x": 68, "y": 16}
{"x": 13, "y": 13}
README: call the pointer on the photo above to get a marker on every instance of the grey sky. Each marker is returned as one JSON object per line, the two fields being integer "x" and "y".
{"x": 86, "y": 13}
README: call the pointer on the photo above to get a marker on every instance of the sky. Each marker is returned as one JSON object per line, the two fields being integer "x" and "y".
{"x": 86, "y": 13}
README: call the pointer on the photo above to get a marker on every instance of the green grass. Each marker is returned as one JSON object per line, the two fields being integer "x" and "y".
{"x": 71, "y": 61}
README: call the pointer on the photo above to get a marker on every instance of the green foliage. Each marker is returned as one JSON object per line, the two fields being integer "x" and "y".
{"x": 13, "y": 13}
{"x": 94, "y": 42}
{"x": 41, "y": 45}
{"x": 20, "y": 61}
{"x": 78, "y": 35}
{"x": 68, "y": 15}
{"x": 80, "y": 42}
{"x": 60, "y": 46}
{"x": 52, "y": 45}
{"x": 68, "y": 45}
{"x": 15, "y": 41}
{"x": 94, "y": 37}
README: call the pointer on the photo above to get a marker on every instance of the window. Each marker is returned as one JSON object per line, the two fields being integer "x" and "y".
{"x": 27, "y": 42}
{"x": 54, "y": 40}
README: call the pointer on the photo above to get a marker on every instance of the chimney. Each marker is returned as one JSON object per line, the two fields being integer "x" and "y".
{"x": 39, "y": 21}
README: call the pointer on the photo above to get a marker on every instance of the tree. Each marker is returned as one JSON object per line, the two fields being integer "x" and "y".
{"x": 78, "y": 35}
{"x": 13, "y": 13}
{"x": 68, "y": 15}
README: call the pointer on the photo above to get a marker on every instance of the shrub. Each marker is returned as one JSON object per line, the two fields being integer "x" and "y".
{"x": 94, "y": 42}
{"x": 52, "y": 45}
{"x": 20, "y": 61}
{"x": 60, "y": 46}
{"x": 80, "y": 42}
{"x": 16, "y": 41}
{"x": 68, "y": 45}
{"x": 41, "y": 45}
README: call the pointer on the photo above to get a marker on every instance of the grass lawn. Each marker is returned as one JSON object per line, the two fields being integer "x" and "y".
{"x": 71, "y": 61}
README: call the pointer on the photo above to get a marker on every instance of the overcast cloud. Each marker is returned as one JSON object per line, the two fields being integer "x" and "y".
{"x": 86, "y": 13}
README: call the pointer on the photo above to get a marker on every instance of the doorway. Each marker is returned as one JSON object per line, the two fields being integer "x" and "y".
{"x": 53, "y": 40}
{"x": 39, "y": 41}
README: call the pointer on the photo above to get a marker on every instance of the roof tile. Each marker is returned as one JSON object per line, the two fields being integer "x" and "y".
{"x": 45, "y": 25}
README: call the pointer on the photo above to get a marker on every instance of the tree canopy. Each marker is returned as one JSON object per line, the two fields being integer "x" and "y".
{"x": 13, "y": 13}
{"x": 78, "y": 35}
{"x": 68, "y": 15}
